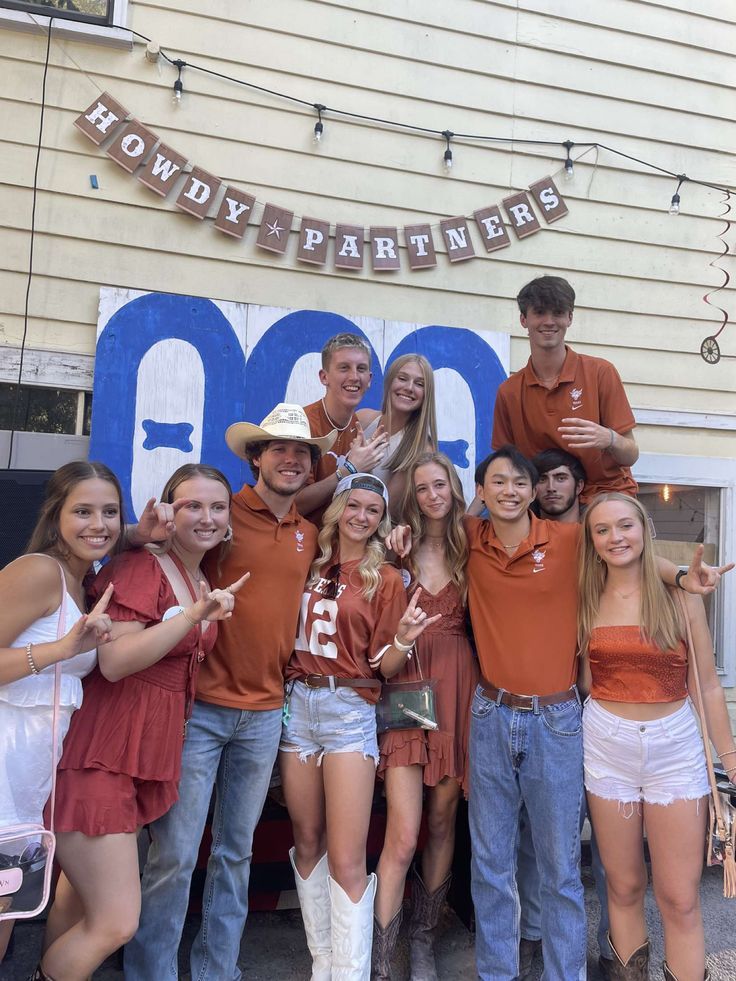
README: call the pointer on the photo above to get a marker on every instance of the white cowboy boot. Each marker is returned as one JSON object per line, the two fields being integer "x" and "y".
{"x": 314, "y": 899}
{"x": 352, "y": 932}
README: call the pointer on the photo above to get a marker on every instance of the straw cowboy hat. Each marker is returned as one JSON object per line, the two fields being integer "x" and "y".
{"x": 284, "y": 422}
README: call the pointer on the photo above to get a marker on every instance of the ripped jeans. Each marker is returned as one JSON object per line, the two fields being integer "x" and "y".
{"x": 319, "y": 721}
{"x": 656, "y": 762}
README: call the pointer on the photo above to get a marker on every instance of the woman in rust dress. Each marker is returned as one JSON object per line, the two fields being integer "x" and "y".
{"x": 122, "y": 757}
{"x": 416, "y": 763}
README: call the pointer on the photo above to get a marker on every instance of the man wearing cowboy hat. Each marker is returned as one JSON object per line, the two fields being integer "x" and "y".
{"x": 233, "y": 735}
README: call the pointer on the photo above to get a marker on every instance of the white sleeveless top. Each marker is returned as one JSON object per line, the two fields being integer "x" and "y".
{"x": 38, "y": 689}
{"x": 380, "y": 471}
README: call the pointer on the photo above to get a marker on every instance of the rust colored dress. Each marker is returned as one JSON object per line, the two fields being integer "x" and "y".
{"x": 122, "y": 756}
{"x": 447, "y": 658}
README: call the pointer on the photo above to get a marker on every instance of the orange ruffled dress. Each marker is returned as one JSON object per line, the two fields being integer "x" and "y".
{"x": 133, "y": 728}
{"x": 447, "y": 658}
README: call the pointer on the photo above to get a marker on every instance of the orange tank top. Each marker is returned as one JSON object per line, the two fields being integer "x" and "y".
{"x": 627, "y": 668}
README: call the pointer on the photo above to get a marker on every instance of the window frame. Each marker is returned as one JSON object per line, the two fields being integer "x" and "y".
{"x": 706, "y": 471}
{"x": 113, "y": 35}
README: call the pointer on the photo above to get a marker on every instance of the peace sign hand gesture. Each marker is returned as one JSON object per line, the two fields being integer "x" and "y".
{"x": 91, "y": 629}
{"x": 215, "y": 604}
{"x": 414, "y": 621}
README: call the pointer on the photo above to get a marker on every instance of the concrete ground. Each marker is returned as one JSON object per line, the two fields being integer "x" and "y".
{"x": 274, "y": 949}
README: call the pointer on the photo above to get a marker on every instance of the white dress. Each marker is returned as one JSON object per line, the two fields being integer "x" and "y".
{"x": 26, "y": 722}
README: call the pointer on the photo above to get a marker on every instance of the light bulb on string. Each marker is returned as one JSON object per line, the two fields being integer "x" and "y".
{"x": 666, "y": 494}
{"x": 674, "y": 208}
{"x": 448, "y": 135}
{"x": 319, "y": 125}
{"x": 569, "y": 167}
{"x": 178, "y": 87}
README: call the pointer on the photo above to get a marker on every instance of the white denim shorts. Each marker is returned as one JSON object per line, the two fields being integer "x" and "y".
{"x": 319, "y": 721}
{"x": 657, "y": 762}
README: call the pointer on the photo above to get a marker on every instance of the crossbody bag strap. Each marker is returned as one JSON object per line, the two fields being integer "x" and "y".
{"x": 692, "y": 663}
{"x": 60, "y": 631}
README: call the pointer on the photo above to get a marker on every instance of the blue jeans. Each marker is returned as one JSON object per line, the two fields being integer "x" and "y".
{"x": 234, "y": 751}
{"x": 534, "y": 758}
{"x": 527, "y": 881}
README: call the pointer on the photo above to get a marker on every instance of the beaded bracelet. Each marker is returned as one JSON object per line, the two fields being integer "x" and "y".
{"x": 194, "y": 623}
{"x": 31, "y": 662}
{"x": 402, "y": 648}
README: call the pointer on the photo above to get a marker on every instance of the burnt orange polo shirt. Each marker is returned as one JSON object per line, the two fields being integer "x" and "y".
{"x": 523, "y": 607}
{"x": 527, "y": 414}
{"x": 246, "y": 667}
{"x": 320, "y": 425}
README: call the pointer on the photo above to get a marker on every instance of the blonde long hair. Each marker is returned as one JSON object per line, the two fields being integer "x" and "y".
{"x": 369, "y": 567}
{"x": 658, "y": 618}
{"x": 422, "y": 426}
{"x": 456, "y": 546}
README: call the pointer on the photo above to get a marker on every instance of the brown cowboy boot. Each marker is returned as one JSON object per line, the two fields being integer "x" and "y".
{"x": 669, "y": 976}
{"x": 425, "y": 914}
{"x": 384, "y": 942}
{"x": 636, "y": 967}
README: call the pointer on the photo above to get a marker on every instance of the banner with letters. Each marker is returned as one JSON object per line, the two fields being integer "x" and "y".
{"x": 170, "y": 174}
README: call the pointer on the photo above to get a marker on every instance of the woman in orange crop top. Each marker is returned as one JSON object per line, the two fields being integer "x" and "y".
{"x": 644, "y": 761}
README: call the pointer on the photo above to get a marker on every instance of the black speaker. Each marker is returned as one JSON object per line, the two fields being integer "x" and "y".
{"x": 21, "y": 495}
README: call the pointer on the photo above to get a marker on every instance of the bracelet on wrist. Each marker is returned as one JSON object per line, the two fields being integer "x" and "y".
{"x": 679, "y": 576}
{"x": 729, "y": 752}
{"x": 349, "y": 466}
{"x": 341, "y": 472}
{"x": 31, "y": 662}
{"x": 194, "y": 623}
{"x": 613, "y": 437}
{"x": 402, "y": 648}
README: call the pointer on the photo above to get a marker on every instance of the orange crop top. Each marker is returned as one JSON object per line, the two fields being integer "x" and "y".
{"x": 627, "y": 668}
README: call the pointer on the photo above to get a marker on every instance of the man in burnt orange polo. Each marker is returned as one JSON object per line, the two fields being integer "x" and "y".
{"x": 564, "y": 399}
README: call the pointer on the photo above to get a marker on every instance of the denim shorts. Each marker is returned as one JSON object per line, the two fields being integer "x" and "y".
{"x": 319, "y": 721}
{"x": 657, "y": 762}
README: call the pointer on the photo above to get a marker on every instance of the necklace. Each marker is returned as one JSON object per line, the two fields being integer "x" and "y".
{"x": 625, "y": 596}
{"x": 434, "y": 541}
{"x": 513, "y": 546}
{"x": 340, "y": 429}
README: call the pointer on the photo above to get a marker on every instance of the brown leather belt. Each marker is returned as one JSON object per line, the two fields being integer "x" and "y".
{"x": 526, "y": 702}
{"x": 330, "y": 681}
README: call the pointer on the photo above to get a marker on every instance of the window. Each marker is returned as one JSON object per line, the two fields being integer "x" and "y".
{"x": 692, "y": 500}
{"x": 685, "y": 516}
{"x": 88, "y": 11}
{"x": 101, "y": 21}
{"x": 45, "y": 410}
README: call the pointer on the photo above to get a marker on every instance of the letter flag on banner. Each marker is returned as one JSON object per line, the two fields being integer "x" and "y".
{"x": 198, "y": 193}
{"x": 349, "y": 246}
{"x": 519, "y": 209}
{"x": 162, "y": 170}
{"x": 549, "y": 200}
{"x": 456, "y": 234}
{"x": 385, "y": 249}
{"x": 273, "y": 234}
{"x": 420, "y": 246}
{"x": 314, "y": 236}
{"x": 101, "y": 119}
{"x": 235, "y": 211}
{"x": 491, "y": 227}
{"x": 132, "y": 145}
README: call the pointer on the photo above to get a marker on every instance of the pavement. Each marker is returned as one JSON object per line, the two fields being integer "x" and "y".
{"x": 274, "y": 948}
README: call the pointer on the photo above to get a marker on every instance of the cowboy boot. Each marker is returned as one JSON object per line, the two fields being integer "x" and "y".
{"x": 636, "y": 967}
{"x": 425, "y": 914}
{"x": 314, "y": 899}
{"x": 669, "y": 976}
{"x": 384, "y": 942}
{"x": 352, "y": 932}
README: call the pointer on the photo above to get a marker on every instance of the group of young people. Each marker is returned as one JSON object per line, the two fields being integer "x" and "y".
{"x": 234, "y": 629}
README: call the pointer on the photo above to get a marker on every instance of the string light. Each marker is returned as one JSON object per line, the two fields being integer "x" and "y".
{"x": 675, "y": 202}
{"x": 666, "y": 493}
{"x": 414, "y": 128}
{"x": 178, "y": 87}
{"x": 448, "y": 135}
{"x": 568, "y": 145}
{"x": 319, "y": 126}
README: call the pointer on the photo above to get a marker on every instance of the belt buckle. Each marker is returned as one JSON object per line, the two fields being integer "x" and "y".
{"x": 525, "y": 708}
{"x": 308, "y": 681}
